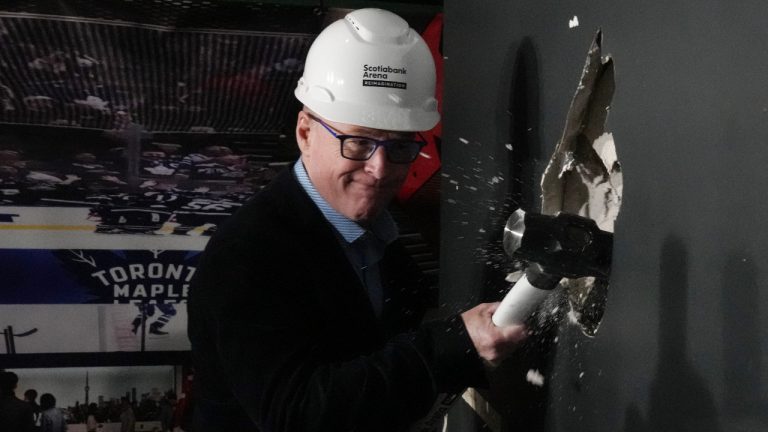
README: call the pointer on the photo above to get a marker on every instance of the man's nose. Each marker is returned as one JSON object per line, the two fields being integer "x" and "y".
{"x": 378, "y": 165}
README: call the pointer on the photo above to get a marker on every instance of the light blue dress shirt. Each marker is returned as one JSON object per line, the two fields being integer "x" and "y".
{"x": 364, "y": 248}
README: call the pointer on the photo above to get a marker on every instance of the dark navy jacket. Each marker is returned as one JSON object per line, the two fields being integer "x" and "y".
{"x": 284, "y": 337}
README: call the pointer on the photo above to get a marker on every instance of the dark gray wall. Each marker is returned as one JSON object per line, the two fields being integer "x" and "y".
{"x": 684, "y": 342}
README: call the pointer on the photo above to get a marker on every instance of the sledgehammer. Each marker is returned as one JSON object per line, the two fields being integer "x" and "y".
{"x": 554, "y": 247}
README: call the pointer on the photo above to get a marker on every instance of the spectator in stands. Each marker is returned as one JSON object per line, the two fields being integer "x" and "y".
{"x": 8, "y": 174}
{"x": 91, "y": 423}
{"x": 185, "y": 406}
{"x": 167, "y": 405}
{"x": 154, "y": 162}
{"x": 127, "y": 417}
{"x": 15, "y": 414}
{"x": 305, "y": 311}
{"x": 7, "y": 98}
{"x": 215, "y": 162}
{"x": 9, "y": 157}
{"x": 52, "y": 419}
{"x": 30, "y": 396}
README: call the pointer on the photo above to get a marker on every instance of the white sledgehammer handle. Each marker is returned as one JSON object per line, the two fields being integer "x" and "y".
{"x": 519, "y": 303}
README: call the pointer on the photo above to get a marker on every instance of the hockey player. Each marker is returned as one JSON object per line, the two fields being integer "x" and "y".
{"x": 147, "y": 311}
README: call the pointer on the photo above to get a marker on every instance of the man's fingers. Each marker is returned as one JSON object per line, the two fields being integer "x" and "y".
{"x": 491, "y": 307}
{"x": 493, "y": 343}
{"x": 514, "y": 333}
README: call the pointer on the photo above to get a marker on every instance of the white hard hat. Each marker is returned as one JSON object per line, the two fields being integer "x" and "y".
{"x": 371, "y": 69}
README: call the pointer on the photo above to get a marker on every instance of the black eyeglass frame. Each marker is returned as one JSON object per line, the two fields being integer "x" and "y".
{"x": 376, "y": 143}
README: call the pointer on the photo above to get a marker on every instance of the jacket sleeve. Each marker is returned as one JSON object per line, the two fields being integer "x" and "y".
{"x": 270, "y": 343}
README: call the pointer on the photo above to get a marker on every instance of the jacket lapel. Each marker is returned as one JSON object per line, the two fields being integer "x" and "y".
{"x": 344, "y": 292}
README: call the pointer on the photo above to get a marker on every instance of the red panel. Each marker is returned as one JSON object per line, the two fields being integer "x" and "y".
{"x": 425, "y": 166}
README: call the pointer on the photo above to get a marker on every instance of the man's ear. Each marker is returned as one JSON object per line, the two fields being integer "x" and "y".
{"x": 302, "y": 131}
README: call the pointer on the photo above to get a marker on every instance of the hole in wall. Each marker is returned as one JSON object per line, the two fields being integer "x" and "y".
{"x": 584, "y": 177}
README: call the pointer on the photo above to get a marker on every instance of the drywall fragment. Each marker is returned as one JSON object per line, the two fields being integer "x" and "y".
{"x": 476, "y": 401}
{"x": 535, "y": 377}
{"x": 584, "y": 175}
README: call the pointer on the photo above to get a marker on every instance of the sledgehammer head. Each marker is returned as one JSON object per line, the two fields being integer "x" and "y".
{"x": 566, "y": 245}
{"x": 513, "y": 232}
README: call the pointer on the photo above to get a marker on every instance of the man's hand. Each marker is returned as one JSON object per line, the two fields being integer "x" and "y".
{"x": 494, "y": 344}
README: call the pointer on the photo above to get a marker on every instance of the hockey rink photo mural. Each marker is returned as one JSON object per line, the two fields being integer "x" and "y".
{"x": 123, "y": 146}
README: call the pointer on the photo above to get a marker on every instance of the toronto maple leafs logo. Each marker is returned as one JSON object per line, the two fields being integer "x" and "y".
{"x": 131, "y": 276}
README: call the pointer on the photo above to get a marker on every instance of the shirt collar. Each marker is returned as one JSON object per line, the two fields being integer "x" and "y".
{"x": 383, "y": 227}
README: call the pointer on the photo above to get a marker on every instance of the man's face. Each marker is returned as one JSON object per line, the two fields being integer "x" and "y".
{"x": 359, "y": 190}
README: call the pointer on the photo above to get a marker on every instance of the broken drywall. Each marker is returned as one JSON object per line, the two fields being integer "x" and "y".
{"x": 584, "y": 176}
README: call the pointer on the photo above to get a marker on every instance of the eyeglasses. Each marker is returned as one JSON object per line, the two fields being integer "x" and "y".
{"x": 360, "y": 148}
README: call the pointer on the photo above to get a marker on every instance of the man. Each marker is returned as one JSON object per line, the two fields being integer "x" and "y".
{"x": 305, "y": 311}
{"x": 30, "y": 397}
{"x": 52, "y": 419}
{"x": 15, "y": 414}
